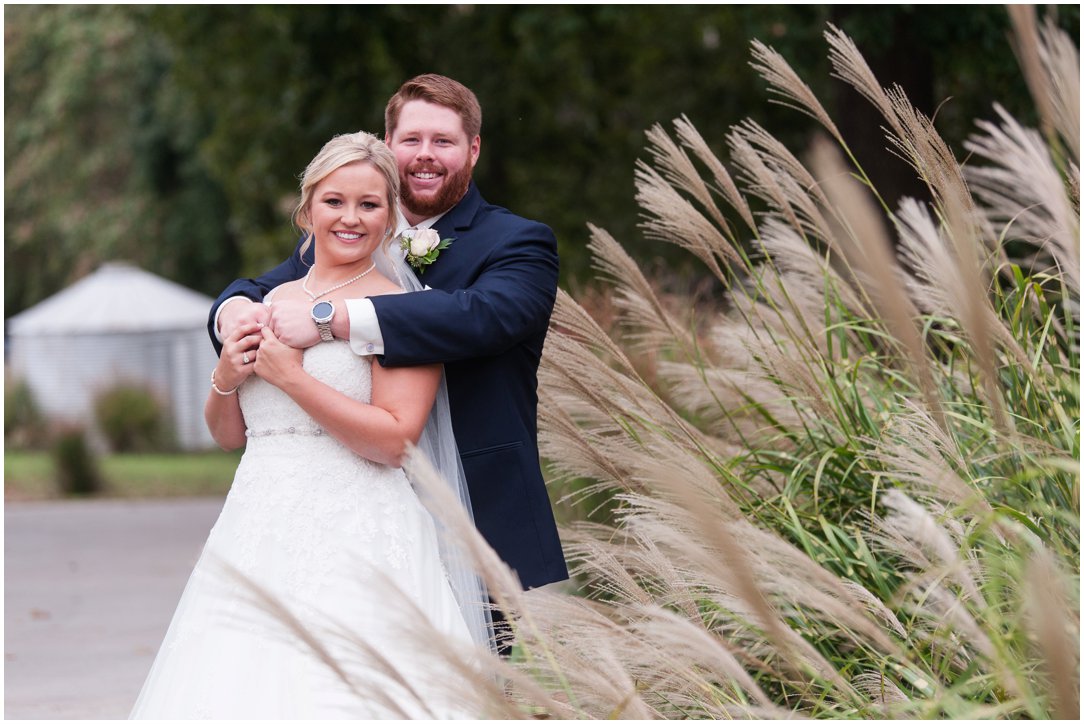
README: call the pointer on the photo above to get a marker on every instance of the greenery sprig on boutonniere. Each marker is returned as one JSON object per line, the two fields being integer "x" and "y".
{"x": 422, "y": 246}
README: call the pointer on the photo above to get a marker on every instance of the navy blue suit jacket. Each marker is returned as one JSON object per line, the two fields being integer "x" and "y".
{"x": 485, "y": 318}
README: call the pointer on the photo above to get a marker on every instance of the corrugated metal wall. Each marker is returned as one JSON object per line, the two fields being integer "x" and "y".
{"x": 66, "y": 373}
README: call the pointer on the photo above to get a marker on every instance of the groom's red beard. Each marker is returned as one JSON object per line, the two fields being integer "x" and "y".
{"x": 451, "y": 191}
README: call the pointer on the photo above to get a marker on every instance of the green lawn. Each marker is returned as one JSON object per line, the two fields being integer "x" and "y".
{"x": 30, "y": 475}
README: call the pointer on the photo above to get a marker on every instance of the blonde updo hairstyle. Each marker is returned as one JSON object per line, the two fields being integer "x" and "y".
{"x": 343, "y": 150}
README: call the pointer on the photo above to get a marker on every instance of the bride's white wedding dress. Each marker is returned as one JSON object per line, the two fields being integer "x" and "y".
{"x": 324, "y": 532}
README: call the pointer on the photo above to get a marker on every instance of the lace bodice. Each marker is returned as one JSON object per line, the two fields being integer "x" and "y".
{"x": 294, "y": 475}
{"x": 269, "y": 410}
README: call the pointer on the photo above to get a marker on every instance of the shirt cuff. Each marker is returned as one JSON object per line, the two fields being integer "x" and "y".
{"x": 218, "y": 312}
{"x": 365, "y": 337}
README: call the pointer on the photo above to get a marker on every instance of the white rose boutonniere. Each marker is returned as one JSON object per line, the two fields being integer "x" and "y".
{"x": 422, "y": 247}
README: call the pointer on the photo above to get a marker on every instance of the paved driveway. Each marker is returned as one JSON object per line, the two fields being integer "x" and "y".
{"x": 90, "y": 587}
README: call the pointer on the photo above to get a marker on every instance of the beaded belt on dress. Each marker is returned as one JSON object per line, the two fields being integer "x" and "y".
{"x": 314, "y": 431}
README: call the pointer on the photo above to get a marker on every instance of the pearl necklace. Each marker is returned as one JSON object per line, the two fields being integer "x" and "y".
{"x": 348, "y": 282}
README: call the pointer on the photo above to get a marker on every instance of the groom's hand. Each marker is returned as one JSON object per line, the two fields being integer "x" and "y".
{"x": 291, "y": 321}
{"x": 240, "y": 313}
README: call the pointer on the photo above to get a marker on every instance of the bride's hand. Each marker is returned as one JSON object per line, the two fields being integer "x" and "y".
{"x": 277, "y": 362}
{"x": 291, "y": 321}
{"x": 232, "y": 369}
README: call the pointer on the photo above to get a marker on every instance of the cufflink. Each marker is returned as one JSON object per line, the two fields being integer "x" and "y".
{"x": 370, "y": 347}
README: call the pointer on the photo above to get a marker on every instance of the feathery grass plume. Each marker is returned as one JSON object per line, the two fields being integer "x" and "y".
{"x": 916, "y": 451}
{"x": 763, "y": 182}
{"x": 1054, "y": 619}
{"x": 679, "y": 171}
{"x": 867, "y": 248}
{"x": 924, "y": 149}
{"x": 652, "y": 325}
{"x": 783, "y": 81}
{"x": 670, "y": 217}
{"x": 572, "y": 320}
{"x": 1061, "y": 61}
{"x": 811, "y": 280}
{"x": 935, "y": 286}
{"x": 692, "y": 140}
{"x": 963, "y": 229}
{"x": 1051, "y": 65}
{"x": 1025, "y": 195}
{"x": 802, "y": 192}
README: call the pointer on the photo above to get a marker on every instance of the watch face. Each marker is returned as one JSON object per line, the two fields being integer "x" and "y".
{"x": 322, "y": 311}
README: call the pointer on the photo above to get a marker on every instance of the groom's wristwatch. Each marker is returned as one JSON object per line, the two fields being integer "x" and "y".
{"x": 322, "y": 312}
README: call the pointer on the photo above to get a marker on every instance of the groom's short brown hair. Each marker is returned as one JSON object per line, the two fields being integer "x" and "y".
{"x": 442, "y": 91}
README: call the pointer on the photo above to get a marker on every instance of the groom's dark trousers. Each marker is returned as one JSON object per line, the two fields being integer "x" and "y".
{"x": 485, "y": 317}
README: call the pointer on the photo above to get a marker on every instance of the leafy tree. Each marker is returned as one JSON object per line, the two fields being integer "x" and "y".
{"x": 173, "y": 135}
{"x": 99, "y": 155}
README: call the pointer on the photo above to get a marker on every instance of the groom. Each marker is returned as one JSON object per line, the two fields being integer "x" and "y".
{"x": 485, "y": 317}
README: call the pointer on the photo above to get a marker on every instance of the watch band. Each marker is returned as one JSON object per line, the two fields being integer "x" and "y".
{"x": 322, "y": 319}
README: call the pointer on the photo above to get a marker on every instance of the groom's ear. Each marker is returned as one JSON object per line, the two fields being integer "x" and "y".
{"x": 475, "y": 150}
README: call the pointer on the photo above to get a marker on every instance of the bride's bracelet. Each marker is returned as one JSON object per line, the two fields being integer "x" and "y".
{"x": 224, "y": 393}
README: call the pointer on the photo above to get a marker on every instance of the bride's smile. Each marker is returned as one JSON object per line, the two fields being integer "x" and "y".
{"x": 350, "y": 218}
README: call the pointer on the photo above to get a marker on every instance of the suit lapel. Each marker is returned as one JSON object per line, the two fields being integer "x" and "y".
{"x": 456, "y": 224}
{"x": 461, "y": 216}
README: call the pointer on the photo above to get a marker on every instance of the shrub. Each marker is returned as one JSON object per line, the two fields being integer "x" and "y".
{"x": 76, "y": 466}
{"x": 132, "y": 419}
{"x": 24, "y": 425}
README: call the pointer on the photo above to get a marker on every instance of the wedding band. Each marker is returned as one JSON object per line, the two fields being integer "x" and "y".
{"x": 244, "y": 358}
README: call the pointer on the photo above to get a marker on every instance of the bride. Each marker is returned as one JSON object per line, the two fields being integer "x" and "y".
{"x": 320, "y": 520}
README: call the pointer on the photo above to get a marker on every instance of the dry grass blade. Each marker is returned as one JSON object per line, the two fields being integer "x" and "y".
{"x": 679, "y": 170}
{"x": 1023, "y": 189}
{"x": 1056, "y": 626}
{"x": 671, "y": 218}
{"x": 279, "y": 611}
{"x": 764, "y": 182}
{"x": 850, "y": 67}
{"x": 644, "y": 311}
{"x": 784, "y": 81}
{"x": 974, "y": 306}
{"x": 935, "y": 284}
{"x": 868, "y": 249}
{"x": 570, "y": 319}
{"x": 1051, "y": 66}
{"x": 692, "y": 140}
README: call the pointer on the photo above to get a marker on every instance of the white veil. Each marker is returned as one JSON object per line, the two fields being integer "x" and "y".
{"x": 437, "y": 444}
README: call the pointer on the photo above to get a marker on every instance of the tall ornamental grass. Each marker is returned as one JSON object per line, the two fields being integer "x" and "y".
{"x": 852, "y": 489}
